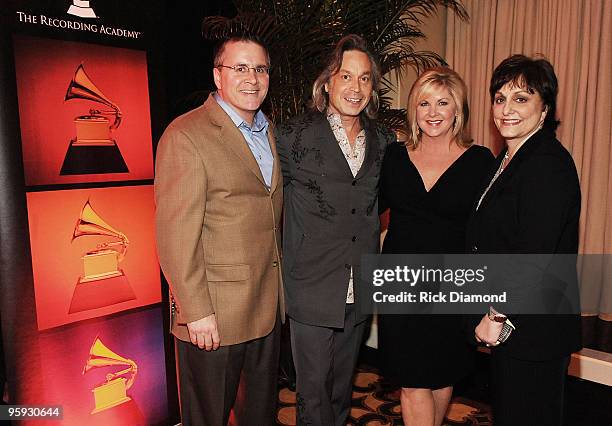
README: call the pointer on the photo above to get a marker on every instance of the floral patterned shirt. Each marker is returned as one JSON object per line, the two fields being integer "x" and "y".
{"x": 354, "y": 157}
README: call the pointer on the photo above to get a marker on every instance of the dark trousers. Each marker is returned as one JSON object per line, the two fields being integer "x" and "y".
{"x": 240, "y": 379}
{"x": 325, "y": 360}
{"x": 528, "y": 392}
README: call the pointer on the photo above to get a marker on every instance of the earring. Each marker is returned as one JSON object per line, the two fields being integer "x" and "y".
{"x": 543, "y": 119}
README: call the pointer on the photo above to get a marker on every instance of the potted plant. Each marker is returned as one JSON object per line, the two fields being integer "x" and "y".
{"x": 299, "y": 34}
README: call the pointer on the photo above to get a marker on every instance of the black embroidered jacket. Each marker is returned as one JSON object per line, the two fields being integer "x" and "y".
{"x": 330, "y": 217}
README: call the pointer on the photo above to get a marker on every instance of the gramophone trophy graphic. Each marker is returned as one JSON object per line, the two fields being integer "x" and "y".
{"x": 103, "y": 283}
{"x": 81, "y": 9}
{"x": 93, "y": 150}
{"x": 112, "y": 392}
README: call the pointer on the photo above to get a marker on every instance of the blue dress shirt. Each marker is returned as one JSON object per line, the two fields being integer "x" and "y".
{"x": 256, "y": 137}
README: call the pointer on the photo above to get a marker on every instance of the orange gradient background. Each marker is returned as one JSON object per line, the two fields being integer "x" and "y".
{"x": 57, "y": 263}
{"x": 57, "y": 379}
{"x": 44, "y": 69}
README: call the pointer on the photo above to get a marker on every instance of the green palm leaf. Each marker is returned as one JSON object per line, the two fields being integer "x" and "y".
{"x": 300, "y": 34}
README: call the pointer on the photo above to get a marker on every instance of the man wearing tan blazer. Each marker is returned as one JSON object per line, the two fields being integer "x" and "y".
{"x": 218, "y": 191}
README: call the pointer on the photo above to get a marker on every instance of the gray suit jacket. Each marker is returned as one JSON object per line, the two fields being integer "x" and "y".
{"x": 331, "y": 219}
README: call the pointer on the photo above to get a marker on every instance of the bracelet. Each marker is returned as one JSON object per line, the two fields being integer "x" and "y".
{"x": 505, "y": 333}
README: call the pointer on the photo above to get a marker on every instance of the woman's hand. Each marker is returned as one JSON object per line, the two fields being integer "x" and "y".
{"x": 488, "y": 331}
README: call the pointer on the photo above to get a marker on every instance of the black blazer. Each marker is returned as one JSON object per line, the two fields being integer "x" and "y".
{"x": 330, "y": 217}
{"x": 533, "y": 208}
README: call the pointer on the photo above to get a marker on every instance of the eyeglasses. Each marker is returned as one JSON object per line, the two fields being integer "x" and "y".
{"x": 244, "y": 69}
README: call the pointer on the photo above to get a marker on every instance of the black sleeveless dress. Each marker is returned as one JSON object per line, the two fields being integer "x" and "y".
{"x": 427, "y": 351}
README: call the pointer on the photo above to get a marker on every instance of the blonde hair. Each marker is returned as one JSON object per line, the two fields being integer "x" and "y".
{"x": 435, "y": 78}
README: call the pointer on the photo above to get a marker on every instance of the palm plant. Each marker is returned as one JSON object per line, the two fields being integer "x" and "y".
{"x": 300, "y": 34}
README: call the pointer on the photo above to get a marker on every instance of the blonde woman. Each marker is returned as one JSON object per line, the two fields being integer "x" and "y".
{"x": 430, "y": 185}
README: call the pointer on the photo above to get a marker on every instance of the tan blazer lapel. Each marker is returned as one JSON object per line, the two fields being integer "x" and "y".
{"x": 276, "y": 172}
{"x": 233, "y": 138}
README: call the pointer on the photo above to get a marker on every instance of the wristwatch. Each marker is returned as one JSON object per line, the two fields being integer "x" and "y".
{"x": 507, "y": 327}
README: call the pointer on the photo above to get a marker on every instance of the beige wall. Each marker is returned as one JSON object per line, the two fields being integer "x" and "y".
{"x": 435, "y": 30}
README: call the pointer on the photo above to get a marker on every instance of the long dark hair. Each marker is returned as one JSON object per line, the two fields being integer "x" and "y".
{"x": 320, "y": 98}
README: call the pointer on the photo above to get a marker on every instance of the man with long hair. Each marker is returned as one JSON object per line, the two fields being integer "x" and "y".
{"x": 331, "y": 160}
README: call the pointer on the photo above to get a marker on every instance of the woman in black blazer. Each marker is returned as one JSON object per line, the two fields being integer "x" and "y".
{"x": 530, "y": 205}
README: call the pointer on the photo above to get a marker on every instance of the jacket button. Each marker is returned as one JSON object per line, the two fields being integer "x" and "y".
{"x": 354, "y": 239}
{"x": 354, "y": 183}
{"x": 353, "y": 211}
{"x": 274, "y": 264}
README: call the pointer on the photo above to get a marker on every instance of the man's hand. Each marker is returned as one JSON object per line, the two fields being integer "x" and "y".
{"x": 488, "y": 331}
{"x": 204, "y": 333}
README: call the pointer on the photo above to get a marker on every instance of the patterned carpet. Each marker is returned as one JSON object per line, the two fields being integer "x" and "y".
{"x": 375, "y": 403}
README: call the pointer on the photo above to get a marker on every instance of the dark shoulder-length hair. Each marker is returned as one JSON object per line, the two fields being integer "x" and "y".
{"x": 534, "y": 74}
{"x": 320, "y": 98}
{"x": 430, "y": 80}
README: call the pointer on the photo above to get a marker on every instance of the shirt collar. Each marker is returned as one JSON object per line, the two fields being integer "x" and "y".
{"x": 259, "y": 121}
{"x": 335, "y": 121}
{"x": 334, "y": 118}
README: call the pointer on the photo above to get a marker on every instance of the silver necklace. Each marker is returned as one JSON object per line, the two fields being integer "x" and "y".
{"x": 499, "y": 171}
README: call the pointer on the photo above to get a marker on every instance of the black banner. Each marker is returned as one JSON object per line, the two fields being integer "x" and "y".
{"x": 83, "y": 308}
